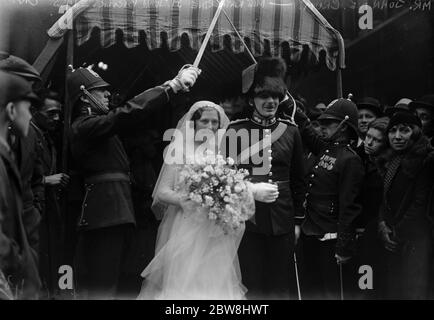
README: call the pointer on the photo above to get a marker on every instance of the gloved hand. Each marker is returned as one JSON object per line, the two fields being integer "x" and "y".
{"x": 61, "y": 179}
{"x": 297, "y": 233}
{"x": 185, "y": 79}
{"x": 265, "y": 192}
{"x": 385, "y": 235}
{"x": 188, "y": 205}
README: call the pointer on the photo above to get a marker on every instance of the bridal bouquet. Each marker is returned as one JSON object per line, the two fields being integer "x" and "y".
{"x": 214, "y": 184}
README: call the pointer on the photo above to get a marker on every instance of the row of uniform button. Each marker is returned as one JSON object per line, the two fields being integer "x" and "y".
{"x": 270, "y": 158}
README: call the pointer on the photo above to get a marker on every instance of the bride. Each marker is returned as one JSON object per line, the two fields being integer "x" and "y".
{"x": 194, "y": 259}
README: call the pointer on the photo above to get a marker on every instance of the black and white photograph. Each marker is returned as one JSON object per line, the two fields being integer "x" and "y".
{"x": 238, "y": 152}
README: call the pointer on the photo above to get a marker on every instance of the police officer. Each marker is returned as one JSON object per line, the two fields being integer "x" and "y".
{"x": 266, "y": 250}
{"x": 333, "y": 186}
{"x": 107, "y": 218}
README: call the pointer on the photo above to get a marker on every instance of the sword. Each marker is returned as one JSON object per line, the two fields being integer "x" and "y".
{"x": 208, "y": 35}
{"x": 296, "y": 277}
{"x": 341, "y": 278}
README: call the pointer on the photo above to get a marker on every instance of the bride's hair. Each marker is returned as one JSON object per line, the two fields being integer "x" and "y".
{"x": 198, "y": 114}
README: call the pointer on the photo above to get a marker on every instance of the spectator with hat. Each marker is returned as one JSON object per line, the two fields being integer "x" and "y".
{"x": 401, "y": 105}
{"x": 17, "y": 261}
{"x": 424, "y": 109}
{"x": 25, "y": 151}
{"x": 405, "y": 225}
{"x": 369, "y": 110}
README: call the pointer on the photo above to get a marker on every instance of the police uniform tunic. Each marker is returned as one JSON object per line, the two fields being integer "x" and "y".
{"x": 333, "y": 186}
{"x": 331, "y": 204}
{"x": 102, "y": 160}
{"x": 107, "y": 218}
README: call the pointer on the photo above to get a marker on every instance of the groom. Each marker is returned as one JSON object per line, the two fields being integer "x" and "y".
{"x": 266, "y": 250}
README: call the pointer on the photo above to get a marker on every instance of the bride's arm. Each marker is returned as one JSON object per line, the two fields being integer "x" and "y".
{"x": 166, "y": 192}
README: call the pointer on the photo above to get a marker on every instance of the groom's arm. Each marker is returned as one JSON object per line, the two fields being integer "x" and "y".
{"x": 297, "y": 177}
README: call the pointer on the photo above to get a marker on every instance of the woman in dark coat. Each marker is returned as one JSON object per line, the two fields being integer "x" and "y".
{"x": 405, "y": 225}
{"x": 371, "y": 197}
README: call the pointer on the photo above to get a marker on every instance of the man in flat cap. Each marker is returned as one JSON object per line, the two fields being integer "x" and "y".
{"x": 424, "y": 109}
{"x": 17, "y": 262}
{"x": 25, "y": 151}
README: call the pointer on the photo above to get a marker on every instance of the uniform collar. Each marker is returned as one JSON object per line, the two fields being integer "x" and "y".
{"x": 341, "y": 143}
{"x": 262, "y": 121}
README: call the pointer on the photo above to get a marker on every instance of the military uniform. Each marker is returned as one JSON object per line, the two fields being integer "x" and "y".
{"x": 332, "y": 205}
{"x": 266, "y": 250}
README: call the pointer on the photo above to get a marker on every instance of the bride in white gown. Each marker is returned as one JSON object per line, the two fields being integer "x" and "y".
{"x": 194, "y": 259}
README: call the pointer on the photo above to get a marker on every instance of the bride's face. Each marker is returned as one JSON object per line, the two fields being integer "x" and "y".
{"x": 208, "y": 120}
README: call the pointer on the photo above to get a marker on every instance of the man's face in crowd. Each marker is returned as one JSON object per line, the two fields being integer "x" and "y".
{"x": 231, "y": 106}
{"x": 328, "y": 128}
{"x": 400, "y": 137}
{"x": 321, "y": 107}
{"x": 266, "y": 104}
{"x": 374, "y": 141}
{"x": 102, "y": 95}
{"x": 20, "y": 116}
{"x": 50, "y": 114}
{"x": 316, "y": 126}
{"x": 426, "y": 117}
{"x": 366, "y": 116}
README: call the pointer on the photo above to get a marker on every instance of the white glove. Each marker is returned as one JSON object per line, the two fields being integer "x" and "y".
{"x": 264, "y": 192}
{"x": 297, "y": 232}
{"x": 185, "y": 79}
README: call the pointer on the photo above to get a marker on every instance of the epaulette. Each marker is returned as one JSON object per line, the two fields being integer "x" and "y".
{"x": 238, "y": 121}
{"x": 287, "y": 121}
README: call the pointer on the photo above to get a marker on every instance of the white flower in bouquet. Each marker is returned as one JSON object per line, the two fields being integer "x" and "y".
{"x": 220, "y": 189}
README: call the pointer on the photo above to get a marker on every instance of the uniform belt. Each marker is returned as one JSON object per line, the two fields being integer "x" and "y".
{"x": 266, "y": 180}
{"x": 107, "y": 177}
{"x": 329, "y": 236}
{"x": 281, "y": 182}
{"x": 320, "y": 197}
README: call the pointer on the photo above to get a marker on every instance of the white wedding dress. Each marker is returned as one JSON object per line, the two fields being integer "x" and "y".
{"x": 194, "y": 259}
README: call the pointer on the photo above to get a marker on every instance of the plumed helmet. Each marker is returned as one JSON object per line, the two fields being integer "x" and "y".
{"x": 83, "y": 77}
{"x": 339, "y": 109}
{"x": 13, "y": 88}
{"x": 18, "y": 66}
{"x": 268, "y": 74}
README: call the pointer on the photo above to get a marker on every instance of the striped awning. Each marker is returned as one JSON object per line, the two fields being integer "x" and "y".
{"x": 267, "y": 23}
